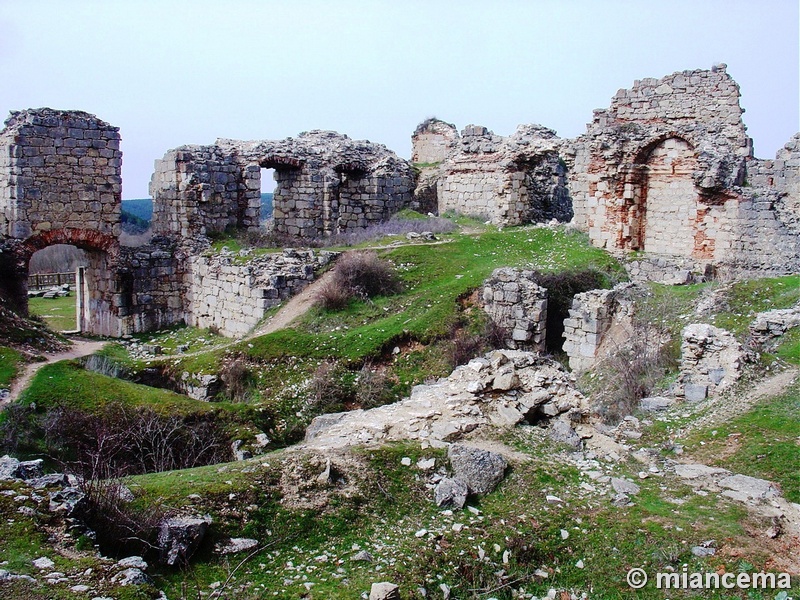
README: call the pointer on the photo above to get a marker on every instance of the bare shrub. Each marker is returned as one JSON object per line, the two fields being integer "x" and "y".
{"x": 332, "y": 295}
{"x": 120, "y": 529}
{"x": 466, "y": 345}
{"x": 331, "y": 387}
{"x": 237, "y": 378}
{"x": 635, "y": 368}
{"x": 373, "y": 387}
{"x": 358, "y": 275}
{"x": 119, "y": 440}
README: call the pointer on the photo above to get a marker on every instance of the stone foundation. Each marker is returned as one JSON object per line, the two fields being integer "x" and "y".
{"x": 711, "y": 360}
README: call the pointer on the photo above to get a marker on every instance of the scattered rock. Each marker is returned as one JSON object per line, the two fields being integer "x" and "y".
{"x": 384, "y": 591}
{"x": 656, "y": 404}
{"x": 131, "y": 577}
{"x": 479, "y": 469}
{"x": 179, "y": 538}
{"x": 694, "y": 471}
{"x": 234, "y": 545}
{"x": 362, "y": 556}
{"x": 623, "y": 486}
{"x": 43, "y": 563}
{"x": 451, "y": 493}
{"x": 133, "y": 562}
{"x": 743, "y": 487}
{"x": 68, "y": 500}
{"x": 561, "y": 433}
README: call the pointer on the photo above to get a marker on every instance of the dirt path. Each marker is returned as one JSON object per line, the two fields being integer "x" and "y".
{"x": 296, "y": 307}
{"x": 80, "y": 348}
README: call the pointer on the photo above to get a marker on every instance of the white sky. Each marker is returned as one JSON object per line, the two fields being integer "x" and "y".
{"x": 170, "y": 73}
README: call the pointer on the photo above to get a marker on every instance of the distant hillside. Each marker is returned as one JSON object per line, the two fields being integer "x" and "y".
{"x": 266, "y": 206}
{"x": 142, "y": 208}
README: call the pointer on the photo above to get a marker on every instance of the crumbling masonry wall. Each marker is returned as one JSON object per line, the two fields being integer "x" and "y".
{"x": 509, "y": 181}
{"x": 233, "y": 295}
{"x": 518, "y": 305}
{"x": 60, "y": 183}
{"x": 326, "y": 184}
{"x": 662, "y": 170}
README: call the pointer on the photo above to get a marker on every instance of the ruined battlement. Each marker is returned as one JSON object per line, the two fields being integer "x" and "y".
{"x": 326, "y": 184}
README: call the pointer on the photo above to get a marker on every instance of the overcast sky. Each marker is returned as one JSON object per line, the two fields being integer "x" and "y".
{"x": 170, "y": 73}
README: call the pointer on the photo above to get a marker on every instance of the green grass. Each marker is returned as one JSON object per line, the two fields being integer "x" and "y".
{"x": 67, "y": 384}
{"x": 10, "y": 363}
{"x": 762, "y": 443}
{"x": 434, "y": 277}
{"x": 789, "y": 347}
{"x": 747, "y": 298}
{"x": 58, "y": 313}
{"x": 384, "y": 516}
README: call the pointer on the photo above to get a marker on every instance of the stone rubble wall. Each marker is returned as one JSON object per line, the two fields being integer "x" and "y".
{"x": 326, "y": 184}
{"x": 711, "y": 360}
{"x": 234, "y": 296}
{"x": 432, "y": 142}
{"x": 591, "y": 318}
{"x": 202, "y": 190}
{"x": 662, "y": 171}
{"x": 59, "y": 170}
{"x": 60, "y": 183}
{"x": 506, "y": 180}
{"x": 502, "y": 389}
{"x": 152, "y": 286}
{"x": 518, "y": 305}
{"x": 769, "y": 326}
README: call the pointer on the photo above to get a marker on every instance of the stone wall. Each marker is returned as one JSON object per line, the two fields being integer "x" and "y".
{"x": 432, "y": 142}
{"x": 202, "y": 190}
{"x": 233, "y": 291}
{"x": 593, "y": 316}
{"x": 326, "y": 184}
{"x": 518, "y": 305}
{"x": 711, "y": 360}
{"x": 509, "y": 181}
{"x": 60, "y": 183}
{"x": 662, "y": 171}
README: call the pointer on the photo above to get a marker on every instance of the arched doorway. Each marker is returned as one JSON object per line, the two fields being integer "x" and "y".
{"x": 96, "y": 284}
{"x": 669, "y": 200}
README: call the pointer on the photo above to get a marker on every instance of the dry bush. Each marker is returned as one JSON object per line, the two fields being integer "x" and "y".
{"x": 634, "y": 369}
{"x": 119, "y": 529}
{"x": 373, "y": 388}
{"x": 465, "y": 346}
{"x": 331, "y": 387}
{"x": 120, "y": 440}
{"x": 358, "y": 275}
{"x": 237, "y": 378}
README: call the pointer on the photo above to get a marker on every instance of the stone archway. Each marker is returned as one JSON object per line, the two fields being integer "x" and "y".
{"x": 668, "y": 208}
{"x": 96, "y": 284}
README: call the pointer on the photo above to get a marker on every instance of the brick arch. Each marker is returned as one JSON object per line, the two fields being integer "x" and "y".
{"x": 85, "y": 239}
{"x": 665, "y": 211}
{"x": 641, "y": 155}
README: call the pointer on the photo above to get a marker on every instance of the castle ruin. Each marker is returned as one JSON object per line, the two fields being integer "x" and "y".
{"x": 667, "y": 169}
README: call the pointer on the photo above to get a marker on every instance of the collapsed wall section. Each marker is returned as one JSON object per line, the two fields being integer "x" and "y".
{"x": 233, "y": 292}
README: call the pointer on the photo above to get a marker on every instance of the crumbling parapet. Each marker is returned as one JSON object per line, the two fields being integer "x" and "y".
{"x": 326, "y": 184}
{"x": 518, "y": 305}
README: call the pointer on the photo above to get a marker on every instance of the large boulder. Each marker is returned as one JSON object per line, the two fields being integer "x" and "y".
{"x": 179, "y": 538}
{"x": 479, "y": 469}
